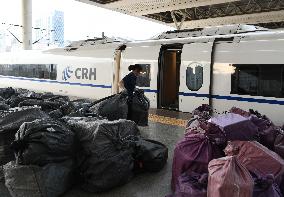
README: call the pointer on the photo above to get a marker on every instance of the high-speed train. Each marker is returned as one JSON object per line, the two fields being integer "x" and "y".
{"x": 225, "y": 66}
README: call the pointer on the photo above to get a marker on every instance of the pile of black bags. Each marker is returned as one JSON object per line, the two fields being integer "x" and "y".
{"x": 49, "y": 144}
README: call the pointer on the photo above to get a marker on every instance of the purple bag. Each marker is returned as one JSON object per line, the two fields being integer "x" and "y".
{"x": 262, "y": 124}
{"x": 280, "y": 181}
{"x": 236, "y": 127}
{"x": 265, "y": 187}
{"x": 267, "y": 131}
{"x": 239, "y": 111}
{"x": 191, "y": 184}
{"x": 193, "y": 153}
{"x": 279, "y": 143}
{"x": 193, "y": 127}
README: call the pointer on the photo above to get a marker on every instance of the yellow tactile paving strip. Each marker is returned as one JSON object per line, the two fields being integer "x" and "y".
{"x": 167, "y": 120}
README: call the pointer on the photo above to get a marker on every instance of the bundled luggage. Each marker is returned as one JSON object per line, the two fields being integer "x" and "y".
{"x": 10, "y": 122}
{"x": 236, "y": 127}
{"x": 7, "y": 92}
{"x": 265, "y": 186}
{"x": 51, "y": 180}
{"x": 4, "y": 106}
{"x": 150, "y": 155}
{"x": 228, "y": 177}
{"x": 258, "y": 159}
{"x": 279, "y": 142}
{"x": 192, "y": 154}
{"x": 191, "y": 184}
{"x": 140, "y": 108}
{"x": 43, "y": 141}
{"x": 112, "y": 108}
{"x": 239, "y": 111}
{"x": 106, "y": 159}
{"x": 15, "y": 117}
{"x": 117, "y": 107}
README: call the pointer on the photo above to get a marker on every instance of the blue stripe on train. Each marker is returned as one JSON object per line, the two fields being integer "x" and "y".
{"x": 54, "y": 81}
{"x": 232, "y": 98}
{"x": 235, "y": 98}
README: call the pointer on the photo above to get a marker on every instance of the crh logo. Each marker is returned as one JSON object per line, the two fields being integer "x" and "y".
{"x": 66, "y": 74}
{"x": 79, "y": 73}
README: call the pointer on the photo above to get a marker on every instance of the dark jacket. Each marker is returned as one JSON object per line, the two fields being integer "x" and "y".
{"x": 130, "y": 83}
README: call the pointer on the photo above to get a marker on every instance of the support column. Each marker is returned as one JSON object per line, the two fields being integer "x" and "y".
{"x": 27, "y": 24}
{"x": 116, "y": 77}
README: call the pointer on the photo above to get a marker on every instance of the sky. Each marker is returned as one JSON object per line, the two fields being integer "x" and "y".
{"x": 82, "y": 20}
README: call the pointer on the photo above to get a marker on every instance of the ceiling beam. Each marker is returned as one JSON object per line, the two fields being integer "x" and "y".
{"x": 144, "y": 7}
{"x": 264, "y": 17}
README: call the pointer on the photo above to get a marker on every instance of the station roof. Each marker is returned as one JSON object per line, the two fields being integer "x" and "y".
{"x": 189, "y": 14}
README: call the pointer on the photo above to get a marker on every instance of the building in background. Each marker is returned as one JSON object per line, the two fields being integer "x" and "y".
{"x": 48, "y": 31}
{"x": 2, "y": 40}
{"x": 57, "y": 35}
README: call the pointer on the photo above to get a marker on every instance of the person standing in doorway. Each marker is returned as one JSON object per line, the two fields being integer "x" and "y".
{"x": 128, "y": 83}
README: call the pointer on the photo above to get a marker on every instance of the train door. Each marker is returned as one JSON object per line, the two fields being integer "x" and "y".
{"x": 169, "y": 77}
{"x": 195, "y": 75}
{"x": 147, "y": 57}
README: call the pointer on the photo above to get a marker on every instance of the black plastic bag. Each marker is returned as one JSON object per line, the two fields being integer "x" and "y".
{"x": 80, "y": 103}
{"x": 55, "y": 114}
{"x": 67, "y": 108}
{"x": 4, "y": 106}
{"x": 7, "y": 92}
{"x": 44, "y": 104}
{"x": 47, "y": 95}
{"x": 34, "y": 95}
{"x": 14, "y": 118}
{"x": 31, "y": 102}
{"x": 3, "y": 190}
{"x": 140, "y": 108}
{"x": 43, "y": 141}
{"x": 51, "y": 180}
{"x": 113, "y": 108}
{"x": 14, "y": 100}
{"x": 150, "y": 155}
{"x": 104, "y": 173}
{"x": 10, "y": 122}
{"x": 105, "y": 158}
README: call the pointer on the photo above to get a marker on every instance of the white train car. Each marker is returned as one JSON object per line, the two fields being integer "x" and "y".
{"x": 223, "y": 66}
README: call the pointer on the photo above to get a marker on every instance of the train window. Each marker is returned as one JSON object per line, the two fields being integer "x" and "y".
{"x": 258, "y": 80}
{"x": 144, "y": 79}
{"x": 194, "y": 77}
{"x": 246, "y": 77}
{"x": 40, "y": 71}
{"x": 270, "y": 81}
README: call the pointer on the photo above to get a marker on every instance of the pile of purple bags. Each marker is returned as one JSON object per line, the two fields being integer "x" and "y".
{"x": 237, "y": 153}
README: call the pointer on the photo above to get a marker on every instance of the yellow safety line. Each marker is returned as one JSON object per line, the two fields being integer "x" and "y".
{"x": 167, "y": 120}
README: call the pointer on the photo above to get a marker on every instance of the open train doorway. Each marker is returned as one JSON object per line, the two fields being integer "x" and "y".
{"x": 169, "y": 76}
